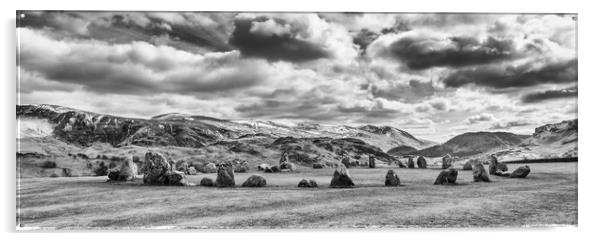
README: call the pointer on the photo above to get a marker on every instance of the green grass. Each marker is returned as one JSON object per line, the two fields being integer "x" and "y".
{"x": 547, "y": 196}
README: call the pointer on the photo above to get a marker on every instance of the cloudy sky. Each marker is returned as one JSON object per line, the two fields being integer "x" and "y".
{"x": 434, "y": 75}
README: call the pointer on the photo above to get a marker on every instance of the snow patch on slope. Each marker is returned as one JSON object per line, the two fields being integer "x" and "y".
{"x": 33, "y": 127}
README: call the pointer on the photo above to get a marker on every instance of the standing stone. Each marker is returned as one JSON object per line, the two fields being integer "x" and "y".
{"x": 521, "y": 172}
{"x": 318, "y": 166}
{"x": 310, "y": 183}
{"x": 410, "y": 162}
{"x": 156, "y": 167}
{"x": 446, "y": 161}
{"x": 345, "y": 161}
{"x": 341, "y": 178}
{"x": 158, "y": 171}
{"x": 447, "y": 176}
{"x": 254, "y": 181}
{"x": 283, "y": 157}
{"x": 479, "y": 174}
{"x": 421, "y": 162}
{"x": 207, "y": 182}
{"x": 225, "y": 175}
{"x": 467, "y": 166}
{"x": 371, "y": 161}
{"x": 492, "y": 164}
{"x": 392, "y": 180}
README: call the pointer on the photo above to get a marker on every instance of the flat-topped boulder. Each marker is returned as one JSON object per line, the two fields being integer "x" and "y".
{"x": 307, "y": 183}
{"x": 255, "y": 181}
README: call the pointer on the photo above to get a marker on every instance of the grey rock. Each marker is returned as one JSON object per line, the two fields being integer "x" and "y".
{"x": 255, "y": 181}
{"x": 391, "y": 179}
{"x": 309, "y": 183}
{"x": 447, "y": 176}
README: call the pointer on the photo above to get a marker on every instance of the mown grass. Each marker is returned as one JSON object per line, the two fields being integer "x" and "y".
{"x": 547, "y": 196}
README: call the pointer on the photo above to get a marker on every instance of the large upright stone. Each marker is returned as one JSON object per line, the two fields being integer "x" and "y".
{"x": 521, "y": 172}
{"x": 447, "y": 176}
{"x": 421, "y": 161}
{"x": 492, "y": 164}
{"x": 410, "y": 162}
{"x": 345, "y": 161}
{"x": 371, "y": 161}
{"x": 341, "y": 178}
{"x": 391, "y": 179}
{"x": 155, "y": 168}
{"x": 158, "y": 171}
{"x": 225, "y": 175}
{"x": 479, "y": 174}
{"x": 446, "y": 161}
{"x": 283, "y": 157}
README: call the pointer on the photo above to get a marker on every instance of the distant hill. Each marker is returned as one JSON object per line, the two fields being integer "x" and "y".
{"x": 401, "y": 150}
{"x": 174, "y": 129}
{"x": 557, "y": 140}
{"x": 473, "y": 143}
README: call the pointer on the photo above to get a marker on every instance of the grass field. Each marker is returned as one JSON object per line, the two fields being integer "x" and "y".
{"x": 547, "y": 196}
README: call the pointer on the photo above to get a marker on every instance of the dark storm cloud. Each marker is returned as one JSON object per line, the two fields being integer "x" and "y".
{"x": 309, "y": 106}
{"x": 550, "y": 95}
{"x": 500, "y": 77}
{"x": 418, "y": 53}
{"x": 118, "y": 27}
{"x": 377, "y": 111}
{"x": 412, "y": 92}
{"x": 284, "y": 46}
{"x": 136, "y": 68}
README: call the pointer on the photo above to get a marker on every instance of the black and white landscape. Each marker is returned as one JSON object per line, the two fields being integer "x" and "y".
{"x": 296, "y": 120}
